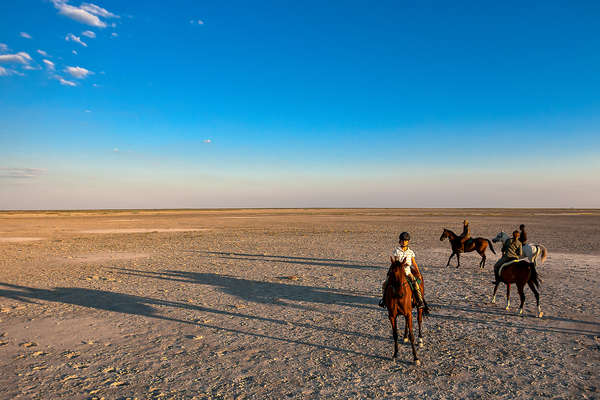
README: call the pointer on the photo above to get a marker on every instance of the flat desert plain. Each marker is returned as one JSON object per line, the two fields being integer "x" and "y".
{"x": 283, "y": 304}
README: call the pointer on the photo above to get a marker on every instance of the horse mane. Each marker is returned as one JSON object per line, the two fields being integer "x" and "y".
{"x": 397, "y": 277}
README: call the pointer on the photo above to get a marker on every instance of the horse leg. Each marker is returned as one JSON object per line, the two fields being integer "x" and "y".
{"x": 537, "y": 298}
{"x": 448, "y": 263}
{"x": 412, "y": 337}
{"x": 394, "y": 333}
{"x": 420, "y": 321}
{"x": 482, "y": 262}
{"x": 457, "y": 260}
{"x": 520, "y": 287}
{"x": 507, "y": 296}
{"x": 494, "y": 295}
{"x": 405, "y": 333}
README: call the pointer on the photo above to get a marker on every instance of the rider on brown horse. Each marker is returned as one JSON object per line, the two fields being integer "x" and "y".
{"x": 400, "y": 253}
{"x": 512, "y": 250}
{"x": 465, "y": 235}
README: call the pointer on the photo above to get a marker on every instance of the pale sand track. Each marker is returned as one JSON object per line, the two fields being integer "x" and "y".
{"x": 283, "y": 304}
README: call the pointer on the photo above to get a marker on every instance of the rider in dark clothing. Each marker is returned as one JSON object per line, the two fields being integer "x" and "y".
{"x": 523, "y": 235}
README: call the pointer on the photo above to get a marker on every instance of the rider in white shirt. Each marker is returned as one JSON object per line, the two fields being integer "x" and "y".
{"x": 402, "y": 252}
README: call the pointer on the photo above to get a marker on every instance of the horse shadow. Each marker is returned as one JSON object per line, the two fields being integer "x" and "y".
{"x": 146, "y": 307}
{"x": 320, "y": 262}
{"x": 263, "y": 292}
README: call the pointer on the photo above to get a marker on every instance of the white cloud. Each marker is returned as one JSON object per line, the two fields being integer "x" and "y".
{"x": 74, "y": 52}
{"x": 49, "y": 64}
{"x": 87, "y": 111}
{"x": 78, "y": 72}
{"x": 4, "y": 72}
{"x": 20, "y": 57}
{"x": 3, "y": 47}
{"x": 21, "y": 172}
{"x": 86, "y": 13}
{"x": 89, "y": 34}
{"x": 194, "y": 22}
{"x": 65, "y": 82}
{"x": 94, "y": 9}
{"x": 207, "y": 141}
{"x": 114, "y": 34}
{"x": 95, "y": 85}
{"x": 116, "y": 150}
{"x": 25, "y": 35}
{"x": 72, "y": 38}
{"x": 42, "y": 52}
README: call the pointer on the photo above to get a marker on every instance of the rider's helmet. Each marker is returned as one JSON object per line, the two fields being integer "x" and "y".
{"x": 404, "y": 236}
{"x": 521, "y": 227}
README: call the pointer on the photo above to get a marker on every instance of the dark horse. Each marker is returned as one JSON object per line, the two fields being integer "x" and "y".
{"x": 398, "y": 300}
{"x": 520, "y": 272}
{"x": 479, "y": 244}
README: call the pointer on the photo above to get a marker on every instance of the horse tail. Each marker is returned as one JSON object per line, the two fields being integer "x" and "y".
{"x": 491, "y": 246}
{"x": 544, "y": 254}
{"x": 535, "y": 278}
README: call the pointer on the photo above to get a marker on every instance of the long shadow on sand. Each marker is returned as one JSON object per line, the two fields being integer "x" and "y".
{"x": 464, "y": 319}
{"x": 144, "y": 306}
{"x": 321, "y": 262}
{"x": 262, "y": 292}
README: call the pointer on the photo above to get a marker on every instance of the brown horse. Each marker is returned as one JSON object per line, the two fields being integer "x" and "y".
{"x": 398, "y": 300}
{"x": 520, "y": 272}
{"x": 474, "y": 244}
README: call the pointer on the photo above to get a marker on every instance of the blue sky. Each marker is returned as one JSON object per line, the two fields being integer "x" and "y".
{"x": 114, "y": 104}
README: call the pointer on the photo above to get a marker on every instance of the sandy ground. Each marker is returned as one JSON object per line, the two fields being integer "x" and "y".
{"x": 283, "y": 303}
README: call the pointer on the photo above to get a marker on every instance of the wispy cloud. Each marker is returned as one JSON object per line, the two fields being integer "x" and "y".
{"x": 207, "y": 141}
{"x": 49, "y": 64}
{"x": 20, "y": 57}
{"x": 89, "y": 34}
{"x": 42, "y": 52}
{"x": 3, "y": 47}
{"x": 25, "y": 35}
{"x": 4, "y": 71}
{"x": 96, "y": 10}
{"x": 114, "y": 34}
{"x": 21, "y": 172}
{"x": 65, "y": 82}
{"x": 78, "y": 72}
{"x": 86, "y": 13}
{"x": 72, "y": 38}
{"x": 196, "y": 22}
{"x": 74, "y": 52}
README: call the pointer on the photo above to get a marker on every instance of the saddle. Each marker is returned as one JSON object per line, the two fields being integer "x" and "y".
{"x": 506, "y": 264}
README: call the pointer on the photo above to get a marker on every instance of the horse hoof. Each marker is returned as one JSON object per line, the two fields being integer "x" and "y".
{"x": 540, "y": 315}
{"x": 418, "y": 362}
{"x": 507, "y": 308}
{"x": 421, "y": 344}
{"x": 405, "y": 340}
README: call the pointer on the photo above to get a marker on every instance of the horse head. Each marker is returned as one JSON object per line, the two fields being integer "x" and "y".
{"x": 444, "y": 235}
{"x": 502, "y": 236}
{"x": 398, "y": 266}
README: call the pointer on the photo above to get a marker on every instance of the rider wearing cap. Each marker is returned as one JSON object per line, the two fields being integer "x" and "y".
{"x": 511, "y": 250}
{"x": 402, "y": 252}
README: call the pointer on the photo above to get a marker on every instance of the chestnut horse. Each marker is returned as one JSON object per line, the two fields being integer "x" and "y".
{"x": 520, "y": 272}
{"x": 398, "y": 300}
{"x": 478, "y": 244}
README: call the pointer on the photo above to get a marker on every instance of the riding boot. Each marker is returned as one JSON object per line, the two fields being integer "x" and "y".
{"x": 417, "y": 292}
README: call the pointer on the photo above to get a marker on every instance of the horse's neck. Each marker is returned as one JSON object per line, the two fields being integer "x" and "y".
{"x": 398, "y": 276}
{"x": 451, "y": 234}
